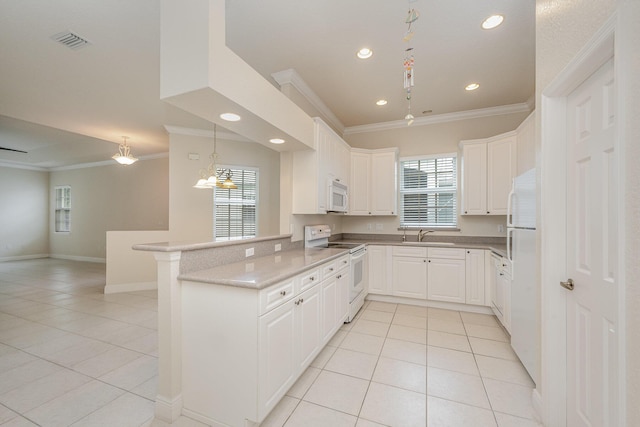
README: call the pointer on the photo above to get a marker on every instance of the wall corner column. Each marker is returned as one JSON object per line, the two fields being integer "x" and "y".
{"x": 169, "y": 397}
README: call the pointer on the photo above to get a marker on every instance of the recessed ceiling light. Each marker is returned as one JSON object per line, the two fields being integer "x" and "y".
{"x": 276, "y": 141}
{"x": 472, "y": 86}
{"x": 381, "y": 102}
{"x": 492, "y": 22}
{"x": 230, "y": 117}
{"x": 365, "y": 53}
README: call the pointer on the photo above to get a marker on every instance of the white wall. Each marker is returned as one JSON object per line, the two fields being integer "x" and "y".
{"x": 433, "y": 139}
{"x": 24, "y": 213}
{"x": 105, "y": 198}
{"x": 191, "y": 209}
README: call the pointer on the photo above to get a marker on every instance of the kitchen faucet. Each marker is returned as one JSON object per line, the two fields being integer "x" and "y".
{"x": 422, "y": 233}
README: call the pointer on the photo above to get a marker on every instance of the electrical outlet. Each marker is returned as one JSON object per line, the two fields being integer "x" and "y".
{"x": 248, "y": 252}
{"x": 500, "y": 228}
{"x": 278, "y": 247}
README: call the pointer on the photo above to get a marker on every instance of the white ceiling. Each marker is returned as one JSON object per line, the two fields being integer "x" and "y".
{"x": 68, "y": 107}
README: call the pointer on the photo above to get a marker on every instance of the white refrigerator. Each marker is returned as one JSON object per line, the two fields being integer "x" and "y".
{"x": 521, "y": 251}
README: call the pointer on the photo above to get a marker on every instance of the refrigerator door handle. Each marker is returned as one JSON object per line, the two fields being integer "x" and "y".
{"x": 509, "y": 210}
{"x": 509, "y": 253}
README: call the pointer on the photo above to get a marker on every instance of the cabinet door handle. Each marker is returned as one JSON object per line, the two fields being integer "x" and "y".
{"x": 283, "y": 293}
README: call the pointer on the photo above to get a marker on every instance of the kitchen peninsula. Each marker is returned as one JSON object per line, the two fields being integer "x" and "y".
{"x": 236, "y": 330}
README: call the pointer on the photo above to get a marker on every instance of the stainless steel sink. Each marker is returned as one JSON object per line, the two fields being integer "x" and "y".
{"x": 429, "y": 243}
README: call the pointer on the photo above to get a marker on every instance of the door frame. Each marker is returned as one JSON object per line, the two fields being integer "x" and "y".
{"x": 553, "y": 180}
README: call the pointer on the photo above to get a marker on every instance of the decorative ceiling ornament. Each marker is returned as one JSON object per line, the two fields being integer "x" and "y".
{"x": 212, "y": 176}
{"x": 409, "y": 62}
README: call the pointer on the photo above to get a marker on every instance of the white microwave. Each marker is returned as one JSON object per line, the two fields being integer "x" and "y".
{"x": 338, "y": 199}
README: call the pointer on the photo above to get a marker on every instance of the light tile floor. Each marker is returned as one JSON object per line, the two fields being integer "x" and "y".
{"x": 72, "y": 356}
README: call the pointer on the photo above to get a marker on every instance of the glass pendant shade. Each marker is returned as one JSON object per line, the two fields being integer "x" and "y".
{"x": 123, "y": 156}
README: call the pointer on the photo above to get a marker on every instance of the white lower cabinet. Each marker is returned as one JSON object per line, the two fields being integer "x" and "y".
{"x": 409, "y": 277}
{"x": 242, "y": 349}
{"x": 474, "y": 277}
{"x": 329, "y": 307}
{"x": 277, "y": 366}
{"x": 500, "y": 277}
{"x": 379, "y": 269}
{"x": 446, "y": 278}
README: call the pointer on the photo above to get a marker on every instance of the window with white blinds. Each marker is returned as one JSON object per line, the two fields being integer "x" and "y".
{"x": 428, "y": 189}
{"x": 63, "y": 209}
{"x": 235, "y": 215}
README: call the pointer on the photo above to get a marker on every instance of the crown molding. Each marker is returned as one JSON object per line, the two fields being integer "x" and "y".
{"x": 7, "y": 164}
{"x": 292, "y": 77}
{"x": 441, "y": 118}
{"x": 205, "y": 133}
{"x": 109, "y": 162}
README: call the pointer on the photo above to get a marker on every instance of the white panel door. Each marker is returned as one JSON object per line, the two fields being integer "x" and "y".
{"x": 308, "y": 326}
{"x": 474, "y": 179}
{"x": 446, "y": 280}
{"x": 592, "y": 316}
{"x": 359, "y": 191}
{"x": 409, "y": 277}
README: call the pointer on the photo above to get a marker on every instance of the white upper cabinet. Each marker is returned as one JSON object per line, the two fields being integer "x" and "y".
{"x": 313, "y": 170}
{"x": 359, "y": 192}
{"x": 488, "y": 168}
{"x": 374, "y": 182}
{"x": 501, "y": 169}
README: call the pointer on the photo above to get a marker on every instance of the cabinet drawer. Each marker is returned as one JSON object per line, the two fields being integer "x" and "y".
{"x": 307, "y": 280}
{"x": 342, "y": 262}
{"x": 275, "y": 295}
{"x": 329, "y": 269}
{"x": 409, "y": 251}
{"x": 449, "y": 253}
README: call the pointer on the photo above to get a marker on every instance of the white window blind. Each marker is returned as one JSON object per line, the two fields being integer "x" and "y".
{"x": 235, "y": 214}
{"x": 428, "y": 192}
{"x": 63, "y": 209}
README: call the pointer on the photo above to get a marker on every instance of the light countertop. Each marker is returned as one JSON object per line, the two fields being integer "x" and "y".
{"x": 260, "y": 272}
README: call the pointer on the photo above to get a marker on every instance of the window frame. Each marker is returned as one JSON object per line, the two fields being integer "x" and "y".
{"x": 454, "y": 191}
{"x": 59, "y": 209}
{"x": 256, "y": 203}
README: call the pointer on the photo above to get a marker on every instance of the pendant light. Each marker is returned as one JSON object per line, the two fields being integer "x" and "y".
{"x": 123, "y": 156}
{"x": 212, "y": 177}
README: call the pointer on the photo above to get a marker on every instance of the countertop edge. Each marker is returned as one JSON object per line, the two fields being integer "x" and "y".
{"x": 208, "y": 275}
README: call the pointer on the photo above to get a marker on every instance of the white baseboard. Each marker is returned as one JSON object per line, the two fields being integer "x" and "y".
{"x": 130, "y": 287}
{"x": 429, "y": 303}
{"x": 168, "y": 410}
{"x": 79, "y": 258}
{"x": 23, "y": 257}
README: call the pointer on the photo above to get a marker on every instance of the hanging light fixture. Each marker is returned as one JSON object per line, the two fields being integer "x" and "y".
{"x": 123, "y": 156}
{"x": 408, "y": 62}
{"x": 212, "y": 177}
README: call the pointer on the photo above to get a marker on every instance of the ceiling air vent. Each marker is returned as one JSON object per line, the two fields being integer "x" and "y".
{"x": 70, "y": 40}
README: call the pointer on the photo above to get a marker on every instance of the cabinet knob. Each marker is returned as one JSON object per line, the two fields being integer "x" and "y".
{"x": 465, "y": 211}
{"x": 369, "y": 213}
{"x": 338, "y": 276}
{"x": 301, "y": 300}
{"x": 331, "y": 269}
{"x": 429, "y": 260}
{"x": 468, "y": 252}
{"x": 488, "y": 212}
{"x": 283, "y": 293}
{"x": 312, "y": 278}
